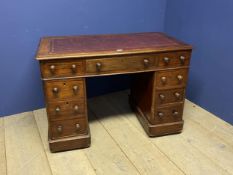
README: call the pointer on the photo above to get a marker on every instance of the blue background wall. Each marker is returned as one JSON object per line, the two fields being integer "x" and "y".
{"x": 23, "y": 22}
{"x": 208, "y": 26}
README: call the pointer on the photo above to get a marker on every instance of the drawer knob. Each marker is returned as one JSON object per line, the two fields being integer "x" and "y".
{"x": 76, "y": 108}
{"x": 164, "y": 80}
{"x": 177, "y": 95}
{"x": 57, "y": 109}
{"x": 75, "y": 88}
{"x": 182, "y": 59}
{"x": 146, "y": 62}
{"x": 59, "y": 129}
{"x": 175, "y": 113}
{"x": 162, "y": 97}
{"x": 98, "y": 66}
{"x": 52, "y": 68}
{"x": 166, "y": 60}
{"x": 77, "y": 126}
{"x": 74, "y": 68}
{"x": 180, "y": 78}
{"x": 160, "y": 114}
{"x": 55, "y": 90}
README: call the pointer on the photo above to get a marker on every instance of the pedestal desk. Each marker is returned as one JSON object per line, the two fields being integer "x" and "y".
{"x": 160, "y": 64}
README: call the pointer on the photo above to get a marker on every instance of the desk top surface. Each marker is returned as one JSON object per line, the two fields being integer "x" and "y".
{"x": 106, "y": 45}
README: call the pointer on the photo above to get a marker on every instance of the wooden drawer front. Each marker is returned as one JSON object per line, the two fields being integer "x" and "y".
{"x": 65, "y": 128}
{"x": 164, "y": 97}
{"x": 174, "y": 59}
{"x": 120, "y": 64}
{"x": 66, "y": 109}
{"x": 169, "y": 114}
{"x": 61, "y": 68}
{"x": 171, "y": 78}
{"x": 64, "y": 89}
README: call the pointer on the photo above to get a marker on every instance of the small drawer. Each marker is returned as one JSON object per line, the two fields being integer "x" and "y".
{"x": 66, "y": 109}
{"x": 164, "y": 97}
{"x": 64, "y": 89}
{"x": 67, "y": 128}
{"x": 171, "y": 78}
{"x": 61, "y": 68}
{"x": 121, "y": 64}
{"x": 172, "y": 113}
{"x": 174, "y": 59}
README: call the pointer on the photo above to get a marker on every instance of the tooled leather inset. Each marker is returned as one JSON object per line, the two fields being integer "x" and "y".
{"x": 101, "y": 43}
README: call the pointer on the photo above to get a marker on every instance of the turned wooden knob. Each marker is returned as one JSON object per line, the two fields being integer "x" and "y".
{"x": 77, "y": 126}
{"x": 75, "y": 88}
{"x": 182, "y": 59}
{"x": 177, "y": 95}
{"x": 160, "y": 114}
{"x": 55, "y": 90}
{"x": 166, "y": 60}
{"x": 162, "y": 97}
{"x": 76, "y": 108}
{"x": 57, "y": 109}
{"x": 164, "y": 80}
{"x": 180, "y": 78}
{"x": 73, "y": 68}
{"x": 175, "y": 113}
{"x": 146, "y": 62}
{"x": 59, "y": 129}
{"x": 52, "y": 68}
{"x": 98, "y": 66}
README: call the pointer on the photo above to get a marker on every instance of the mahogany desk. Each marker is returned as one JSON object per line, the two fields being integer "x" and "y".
{"x": 157, "y": 94}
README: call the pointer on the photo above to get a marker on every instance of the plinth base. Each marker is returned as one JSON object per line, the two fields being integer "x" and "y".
{"x": 153, "y": 130}
{"x": 70, "y": 143}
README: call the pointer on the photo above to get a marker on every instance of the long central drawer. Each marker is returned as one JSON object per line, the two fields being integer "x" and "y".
{"x": 120, "y": 64}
